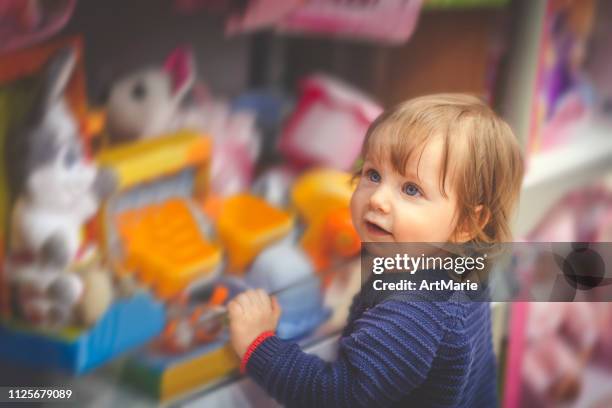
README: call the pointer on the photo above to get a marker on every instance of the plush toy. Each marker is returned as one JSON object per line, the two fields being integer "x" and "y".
{"x": 152, "y": 102}
{"x": 55, "y": 190}
{"x": 146, "y": 103}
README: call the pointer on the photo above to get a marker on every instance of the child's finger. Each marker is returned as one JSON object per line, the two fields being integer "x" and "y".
{"x": 253, "y": 297}
{"x": 264, "y": 299}
{"x": 234, "y": 308}
{"x": 245, "y": 301}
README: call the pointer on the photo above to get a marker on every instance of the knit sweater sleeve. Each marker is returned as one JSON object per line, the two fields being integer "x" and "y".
{"x": 388, "y": 354}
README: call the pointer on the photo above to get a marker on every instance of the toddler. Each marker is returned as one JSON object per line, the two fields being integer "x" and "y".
{"x": 441, "y": 168}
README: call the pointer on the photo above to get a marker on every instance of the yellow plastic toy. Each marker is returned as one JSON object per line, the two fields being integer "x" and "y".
{"x": 149, "y": 160}
{"x": 154, "y": 217}
{"x": 322, "y": 198}
{"x": 318, "y": 191}
{"x": 246, "y": 225}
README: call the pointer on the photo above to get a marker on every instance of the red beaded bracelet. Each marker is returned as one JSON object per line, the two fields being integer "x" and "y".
{"x": 252, "y": 347}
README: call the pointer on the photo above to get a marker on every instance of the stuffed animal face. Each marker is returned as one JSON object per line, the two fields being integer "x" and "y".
{"x": 141, "y": 105}
{"x": 144, "y": 104}
{"x": 46, "y": 163}
{"x": 54, "y": 188}
{"x": 64, "y": 181}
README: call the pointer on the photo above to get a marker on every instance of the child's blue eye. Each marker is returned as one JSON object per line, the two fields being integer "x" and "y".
{"x": 411, "y": 189}
{"x": 373, "y": 176}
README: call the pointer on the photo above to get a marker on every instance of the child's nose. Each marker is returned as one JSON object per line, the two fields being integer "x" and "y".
{"x": 380, "y": 201}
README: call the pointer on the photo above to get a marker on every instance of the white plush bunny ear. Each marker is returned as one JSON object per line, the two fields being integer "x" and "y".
{"x": 56, "y": 76}
{"x": 180, "y": 66}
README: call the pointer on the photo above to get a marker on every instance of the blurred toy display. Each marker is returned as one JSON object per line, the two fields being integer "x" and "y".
{"x": 560, "y": 340}
{"x": 256, "y": 15}
{"x": 63, "y": 312}
{"x": 390, "y": 22}
{"x": 193, "y": 350}
{"x": 246, "y": 225}
{"x": 598, "y": 79}
{"x": 146, "y": 103}
{"x": 237, "y": 144}
{"x": 55, "y": 191}
{"x": 148, "y": 234}
{"x": 126, "y": 230}
{"x": 185, "y": 229}
{"x": 577, "y": 216}
{"x": 274, "y": 185}
{"x": 322, "y": 197}
{"x": 464, "y": 3}
{"x": 328, "y": 124}
{"x": 190, "y": 324}
{"x": 270, "y": 107}
{"x": 156, "y": 233}
{"x": 26, "y": 22}
{"x": 572, "y": 83}
{"x": 155, "y": 101}
{"x": 563, "y": 345}
{"x": 558, "y": 103}
{"x": 563, "y": 342}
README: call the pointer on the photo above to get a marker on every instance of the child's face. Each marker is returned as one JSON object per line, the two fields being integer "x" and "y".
{"x": 389, "y": 207}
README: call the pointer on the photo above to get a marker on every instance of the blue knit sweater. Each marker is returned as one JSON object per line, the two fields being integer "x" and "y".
{"x": 394, "y": 352}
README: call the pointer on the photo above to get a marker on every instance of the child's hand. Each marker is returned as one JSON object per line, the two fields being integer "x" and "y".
{"x": 251, "y": 313}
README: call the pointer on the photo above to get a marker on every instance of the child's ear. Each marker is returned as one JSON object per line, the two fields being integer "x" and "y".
{"x": 483, "y": 215}
{"x": 466, "y": 233}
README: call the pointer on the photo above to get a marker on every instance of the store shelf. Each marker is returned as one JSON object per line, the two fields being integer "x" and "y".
{"x": 552, "y": 174}
{"x": 518, "y": 84}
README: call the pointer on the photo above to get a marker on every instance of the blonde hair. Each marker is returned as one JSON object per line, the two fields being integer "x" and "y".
{"x": 490, "y": 172}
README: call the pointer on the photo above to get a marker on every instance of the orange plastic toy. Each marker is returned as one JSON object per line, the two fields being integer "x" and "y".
{"x": 322, "y": 198}
{"x": 246, "y": 225}
{"x": 331, "y": 236}
{"x": 165, "y": 247}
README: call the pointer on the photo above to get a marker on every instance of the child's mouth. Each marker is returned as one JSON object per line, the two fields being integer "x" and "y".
{"x": 376, "y": 230}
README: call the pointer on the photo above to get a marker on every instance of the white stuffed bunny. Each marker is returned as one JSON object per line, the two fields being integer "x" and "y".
{"x": 54, "y": 191}
{"x": 146, "y": 103}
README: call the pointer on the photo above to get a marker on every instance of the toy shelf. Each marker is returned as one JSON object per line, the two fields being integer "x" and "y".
{"x": 553, "y": 173}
